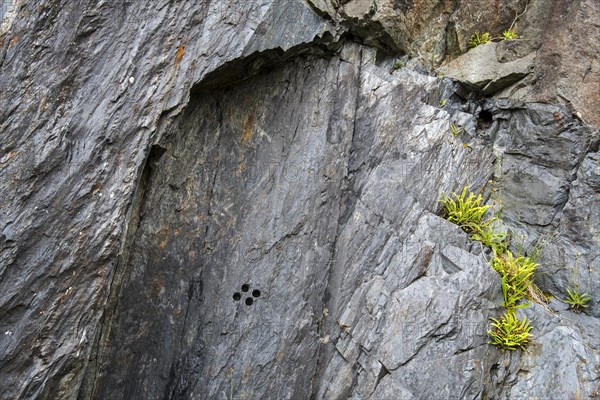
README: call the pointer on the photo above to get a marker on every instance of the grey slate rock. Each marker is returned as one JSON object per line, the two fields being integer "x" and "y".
{"x": 163, "y": 163}
{"x": 487, "y": 68}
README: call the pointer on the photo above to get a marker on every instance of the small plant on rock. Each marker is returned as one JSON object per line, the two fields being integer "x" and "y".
{"x": 397, "y": 65}
{"x": 477, "y": 39}
{"x": 465, "y": 211}
{"x": 455, "y": 130}
{"x": 577, "y": 301}
{"x": 509, "y": 34}
{"x": 516, "y": 272}
{"x": 509, "y": 332}
{"x": 491, "y": 236}
{"x": 517, "y": 277}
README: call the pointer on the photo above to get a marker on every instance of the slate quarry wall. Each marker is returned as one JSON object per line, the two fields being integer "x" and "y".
{"x": 240, "y": 199}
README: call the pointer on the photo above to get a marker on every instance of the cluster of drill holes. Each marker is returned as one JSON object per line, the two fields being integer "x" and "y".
{"x": 237, "y": 296}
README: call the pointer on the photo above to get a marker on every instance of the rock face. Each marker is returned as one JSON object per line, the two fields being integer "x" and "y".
{"x": 482, "y": 67}
{"x": 238, "y": 199}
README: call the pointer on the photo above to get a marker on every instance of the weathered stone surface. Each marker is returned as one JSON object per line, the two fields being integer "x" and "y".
{"x": 561, "y": 363}
{"x": 85, "y": 89}
{"x": 430, "y": 30}
{"x": 567, "y": 68}
{"x": 484, "y": 69}
{"x": 548, "y": 177}
{"x": 158, "y": 157}
{"x": 559, "y": 34}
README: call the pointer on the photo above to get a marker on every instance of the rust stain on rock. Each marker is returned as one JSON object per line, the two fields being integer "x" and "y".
{"x": 179, "y": 55}
{"x": 162, "y": 237}
{"x": 163, "y": 244}
{"x": 248, "y": 128}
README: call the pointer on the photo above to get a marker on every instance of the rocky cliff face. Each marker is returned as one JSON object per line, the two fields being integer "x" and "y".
{"x": 239, "y": 199}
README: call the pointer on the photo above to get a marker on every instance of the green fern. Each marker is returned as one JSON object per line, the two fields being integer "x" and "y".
{"x": 477, "y": 39}
{"x": 465, "y": 211}
{"x": 516, "y": 274}
{"x": 510, "y": 333}
{"x": 509, "y": 34}
{"x": 577, "y": 301}
{"x": 490, "y": 235}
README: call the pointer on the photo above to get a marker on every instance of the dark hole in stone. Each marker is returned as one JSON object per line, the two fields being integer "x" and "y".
{"x": 245, "y": 287}
{"x": 485, "y": 117}
{"x": 249, "y": 301}
{"x": 256, "y": 293}
{"x": 237, "y": 296}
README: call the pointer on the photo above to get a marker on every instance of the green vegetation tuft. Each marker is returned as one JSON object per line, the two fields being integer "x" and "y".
{"x": 516, "y": 272}
{"x": 491, "y": 236}
{"x": 509, "y": 34}
{"x": 577, "y": 301}
{"x": 477, "y": 39}
{"x": 509, "y": 332}
{"x": 455, "y": 130}
{"x": 397, "y": 65}
{"x": 465, "y": 211}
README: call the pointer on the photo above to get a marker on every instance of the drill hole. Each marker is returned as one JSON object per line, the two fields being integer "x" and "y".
{"x": 249, "y": 301}
{"x": 237, "y": 296}
{"x": 256, "y": 293}
{"x": 245, "y": 287}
